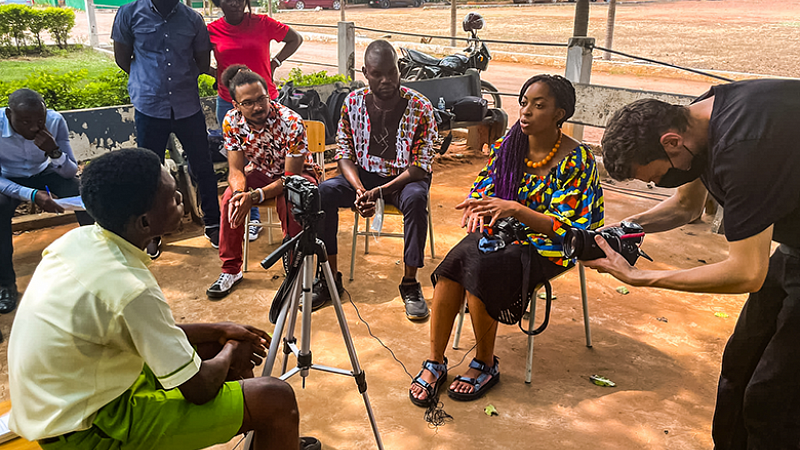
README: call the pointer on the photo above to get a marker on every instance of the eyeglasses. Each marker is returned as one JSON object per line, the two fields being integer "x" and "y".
{"x": 250, "y": 103}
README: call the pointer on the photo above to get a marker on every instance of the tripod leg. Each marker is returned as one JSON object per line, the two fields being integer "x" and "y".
{"x": 276, "y": 337}
{"x": 304, "y": 357}
{"x": 358, "y": 374}
{"x": 291, "y": 320}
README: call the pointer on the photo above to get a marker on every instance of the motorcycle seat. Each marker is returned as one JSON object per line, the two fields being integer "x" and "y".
{"x": 422, "y": 58}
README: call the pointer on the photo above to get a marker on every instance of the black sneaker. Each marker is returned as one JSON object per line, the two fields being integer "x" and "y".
{"x": 416, "y": 307}
{"x": 8, "y": 298}
{"x": 310, "y": 443}
{"x": 153, "y": 248}
{"x": 212, "y": 234}
{"x": 321, "y": 295}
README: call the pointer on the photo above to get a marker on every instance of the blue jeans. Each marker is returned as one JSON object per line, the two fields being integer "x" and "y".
{"x": 153, "y": 133}
{"x": 222, "y": 108}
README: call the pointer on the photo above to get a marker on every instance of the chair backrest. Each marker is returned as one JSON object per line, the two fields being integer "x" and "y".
{"x": 315, "y": 131}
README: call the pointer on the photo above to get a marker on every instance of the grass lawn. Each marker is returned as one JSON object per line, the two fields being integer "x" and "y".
{"x": 18, "y": 67}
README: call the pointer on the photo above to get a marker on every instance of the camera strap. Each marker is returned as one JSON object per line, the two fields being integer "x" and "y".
{"x": 548, "y": 289}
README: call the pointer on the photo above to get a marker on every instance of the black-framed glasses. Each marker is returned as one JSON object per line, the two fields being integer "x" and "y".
{"x": 250, "y": 103}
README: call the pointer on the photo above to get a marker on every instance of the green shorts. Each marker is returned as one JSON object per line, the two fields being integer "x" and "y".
{"x": 148, "y": 417}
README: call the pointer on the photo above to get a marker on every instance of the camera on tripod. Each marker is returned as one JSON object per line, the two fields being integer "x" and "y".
{"x": 624, "y": 239}
{"x": 304, "y": 197}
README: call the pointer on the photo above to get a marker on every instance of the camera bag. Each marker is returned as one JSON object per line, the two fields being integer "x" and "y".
{"x": 470, "y": 109}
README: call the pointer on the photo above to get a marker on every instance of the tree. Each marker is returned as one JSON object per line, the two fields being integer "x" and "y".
{"x": 37, "y": 22}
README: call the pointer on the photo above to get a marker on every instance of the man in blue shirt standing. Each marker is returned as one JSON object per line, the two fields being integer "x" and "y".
{"x": 35, "y": 157}
{"x": 164, "y": 46}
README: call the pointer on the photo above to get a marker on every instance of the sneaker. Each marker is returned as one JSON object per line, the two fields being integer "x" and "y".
{"x": 310, "y": 443}
{"x": 153, "y": 248}
{"x": 416, "y": 307}
{"x": 224, "y": 285}
{"x": 8, "y": 298}
{"x": 253, "y": 231}
{"x": 212, "y": 234}
{"x": 321, "y": 295}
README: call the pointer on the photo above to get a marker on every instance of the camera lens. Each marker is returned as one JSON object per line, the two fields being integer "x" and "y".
{"x": 572, "y": 244}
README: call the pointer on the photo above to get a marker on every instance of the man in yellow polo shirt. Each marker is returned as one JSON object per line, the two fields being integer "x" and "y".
{"x": 95, "y": 359}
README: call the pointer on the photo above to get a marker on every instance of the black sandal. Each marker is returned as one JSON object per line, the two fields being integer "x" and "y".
{"x": 478, "y": 386}
{"x": 440, "y": 372}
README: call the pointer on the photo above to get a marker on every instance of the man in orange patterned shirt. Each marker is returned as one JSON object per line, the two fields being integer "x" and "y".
{"x": 272, "y": 137}
{"x": 385, "y": 141}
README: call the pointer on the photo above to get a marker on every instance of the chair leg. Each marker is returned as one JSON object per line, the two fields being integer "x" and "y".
{"x": 430, "y": 226}
{"x": 460, "y": 323}
{"x": 366, "y": 238}
{"x": 584, "y": 299}
{"x": 269, "y": 226}
{"x": 531, "y": 325}
{"x": 355, "y": 241}
{"x": 246, "y": 244}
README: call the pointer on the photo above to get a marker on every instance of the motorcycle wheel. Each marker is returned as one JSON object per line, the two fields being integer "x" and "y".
{"x": 414, "y": 73}
{"x": 489, "y": 92}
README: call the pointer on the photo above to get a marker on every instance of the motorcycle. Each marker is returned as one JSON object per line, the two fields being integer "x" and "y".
{"x": 415, "y": 65}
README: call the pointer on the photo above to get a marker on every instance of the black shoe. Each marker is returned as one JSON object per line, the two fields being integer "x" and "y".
{"x": 8, "y": 299}
{"x": 153, "y": 249}
{"x": 321, "y": 295}
{"x": 416, "y": 307}
{"x": 310, "y": 443}
{"x": 212, "y": 234}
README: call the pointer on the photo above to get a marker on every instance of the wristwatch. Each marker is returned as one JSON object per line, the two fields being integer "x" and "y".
{"x": 54, "y": 154}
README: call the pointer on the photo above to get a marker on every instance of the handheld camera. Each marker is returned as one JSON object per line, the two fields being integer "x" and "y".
{"x": 624, "y": 239}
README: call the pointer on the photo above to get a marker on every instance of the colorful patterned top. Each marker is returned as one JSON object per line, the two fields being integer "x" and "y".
{"x": 570, "y": 194}
{"x": 415, "y": 134}
{"x": 283, "y": 135}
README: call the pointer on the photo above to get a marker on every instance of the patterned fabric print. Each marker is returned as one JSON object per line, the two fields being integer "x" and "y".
{"x": 415, "y": 134}
{"x": 570, "y": 194}
{"x": 283, "y": 135}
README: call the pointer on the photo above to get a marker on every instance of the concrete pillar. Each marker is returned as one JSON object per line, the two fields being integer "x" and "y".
{"x": 94, "y": 40}
{"x": 579, "y": 70}
{"x": 453, "y": 21}
{"x": 346, "y": 45}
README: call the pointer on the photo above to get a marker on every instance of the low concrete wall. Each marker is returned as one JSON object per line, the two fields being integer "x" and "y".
{"x": 596, "y": 104}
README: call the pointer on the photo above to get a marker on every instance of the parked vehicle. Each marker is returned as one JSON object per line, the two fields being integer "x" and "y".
{"x": 416, "y": 65}
{"x": 310, "y": 4}
{"x": 388, "y": 3}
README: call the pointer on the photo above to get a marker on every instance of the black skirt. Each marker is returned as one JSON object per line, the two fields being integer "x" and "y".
{"x": 496, "y": 277}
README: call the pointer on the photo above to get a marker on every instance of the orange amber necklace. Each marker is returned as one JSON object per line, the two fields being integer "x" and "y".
{"x": 549, "y": 156}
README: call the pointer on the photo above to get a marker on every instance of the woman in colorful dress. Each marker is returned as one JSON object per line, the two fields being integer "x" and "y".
{"x": 241, "y": 37}
{"x": 547, "y": 181}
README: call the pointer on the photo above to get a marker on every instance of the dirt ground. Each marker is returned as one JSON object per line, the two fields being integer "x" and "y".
{"x": 661, "y": 348}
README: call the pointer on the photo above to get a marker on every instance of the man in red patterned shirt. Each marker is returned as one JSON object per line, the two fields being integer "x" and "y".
{"x": 385, "y": 141}
{"x": 273, "y": 138}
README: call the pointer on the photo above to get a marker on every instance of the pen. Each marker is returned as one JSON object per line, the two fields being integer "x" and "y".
{"x": 48, "y": 192}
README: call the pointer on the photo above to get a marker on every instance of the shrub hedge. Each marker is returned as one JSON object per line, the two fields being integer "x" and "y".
{"x": 18, "y": 23}
{"x": 73, "y": 90}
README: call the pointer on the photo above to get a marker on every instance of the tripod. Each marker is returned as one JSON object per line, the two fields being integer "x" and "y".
{"x": 285, "y": 306}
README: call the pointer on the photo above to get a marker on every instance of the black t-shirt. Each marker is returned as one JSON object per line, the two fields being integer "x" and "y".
{"x": 754, "y": 168}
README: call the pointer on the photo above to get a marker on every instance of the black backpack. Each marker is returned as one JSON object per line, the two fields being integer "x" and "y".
{"x": 307, "y": 104}
{"x": 335, "y": 102}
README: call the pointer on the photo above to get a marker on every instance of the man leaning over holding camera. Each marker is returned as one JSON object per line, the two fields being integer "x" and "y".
{"x": 736, "y": 142}
{"x": 273, "y": 138}
{"x": 385, "y": 141}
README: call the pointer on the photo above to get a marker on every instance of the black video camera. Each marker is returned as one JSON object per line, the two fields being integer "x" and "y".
{"x": 624, "y": 239}
{"x": 304, "y": 197}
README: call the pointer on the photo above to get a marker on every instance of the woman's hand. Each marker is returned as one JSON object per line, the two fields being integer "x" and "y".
{"x": 476, "y": 211}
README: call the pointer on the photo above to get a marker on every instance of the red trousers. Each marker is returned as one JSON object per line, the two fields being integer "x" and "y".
{"x": 231, "y": 240}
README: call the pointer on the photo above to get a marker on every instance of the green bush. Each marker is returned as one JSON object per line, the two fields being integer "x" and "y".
{"x": 17, "y": 20}
{"x": 72, "y": 89}
{"x": 312, "y": 79}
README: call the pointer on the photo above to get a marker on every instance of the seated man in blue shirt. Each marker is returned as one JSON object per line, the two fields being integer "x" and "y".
{"x": 35, "y": 156}
{"x": 164, "y": 46}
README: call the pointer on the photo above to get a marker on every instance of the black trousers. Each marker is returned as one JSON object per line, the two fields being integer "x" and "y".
{"x": 758, "y": 400}
{"x": 412, "y": 200}
{"x": 60, "y": 187}
{"x": 153, "y": 134}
